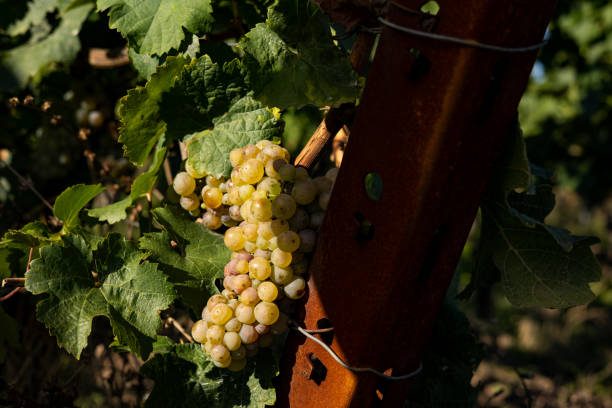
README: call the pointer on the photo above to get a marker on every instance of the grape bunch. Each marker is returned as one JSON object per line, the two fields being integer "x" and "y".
{"x": 272, "y": 210}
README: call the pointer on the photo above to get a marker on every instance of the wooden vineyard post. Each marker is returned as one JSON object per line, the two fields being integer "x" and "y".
{"x": 431, "y": 122}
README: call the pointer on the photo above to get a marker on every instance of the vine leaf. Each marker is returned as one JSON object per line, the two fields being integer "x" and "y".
{"x": 540, "y": 265}
{"x": 30, "y": 235}
{"x": 126, "y": 291}
{"x": 143, "y": 63}
{"x": 246, "y": 122}
{"x": 21, "y": 63}
{"x": 142, "y": 185}
{"x": 291, "y": 60}
{"x": 68, "y": 205}
{"x": 156, "y": 26}
{"x": 204, "y": 90}
{"x": 205, "y": 254}
{"x": 186, "y": 377}
{"x": 36, "y": 14}
{"x": 139, "y": 111}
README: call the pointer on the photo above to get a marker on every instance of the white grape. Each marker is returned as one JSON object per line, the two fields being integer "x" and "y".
{"x": 281, "y": 258}
{"x": 190, "y": 202}
{"x": 220, "y": 353}
{"x": 284, "y": 206}
{"x": 267, "y": 291}
{"x": 281, "y": 276}
{"x": 232, "y": 340}
{"x": 266, "y": 313}
{"x": 198, "y": 331}
{"x": 295, "y": 289}
{"x": 248, "y": 334}
{"x": 183, "y": 184}
{"x": 304, "y": 191}
{"x": 245, "y": 314}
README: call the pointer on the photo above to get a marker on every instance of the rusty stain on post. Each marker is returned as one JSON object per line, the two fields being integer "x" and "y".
{"x": 431, "y": 122}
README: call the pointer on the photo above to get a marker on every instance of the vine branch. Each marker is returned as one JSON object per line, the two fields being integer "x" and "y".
{"x": 180, "y": 328}
{"x": 329, "y": 126}
{"x": 27, "y": 183}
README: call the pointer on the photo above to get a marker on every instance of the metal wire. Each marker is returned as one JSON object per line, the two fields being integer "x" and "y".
{"x": 461, "y": 41}
{"x": 355, "y": 369}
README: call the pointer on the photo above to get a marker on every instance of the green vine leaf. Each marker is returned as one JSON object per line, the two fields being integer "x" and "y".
{"x": 247, "y": 121}
{"x": 121, "y": 288}
{"x": 31, "y": 235}
{"x": 68, "y": 205}
{"x": 36, "y": 14}
{"x": 204, "y": 91}
{"x": 61, "y": 46}
{"x": 143, "y": 185}
{"x": 540, "y": 265}
{"x": 196, "y": 263}
{"x": 156, "y": 26}
{"x": 291, "y": 60}
{"x": 535, "y": 270}
{"x": 142, "y": 126}
{"x": 143, "y": 63}
{"x": 186, "y": 377}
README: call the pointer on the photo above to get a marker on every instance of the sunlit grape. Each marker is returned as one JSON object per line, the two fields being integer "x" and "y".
{"x": 260, "y": 268}
{"x": 222, "y": 364}
{"x": 266, "y": 313}
{"x": 232, "y": 340}
{"x": 248, "y": 334}
{"x": 249, "y": 296}
{"x": 220, "y": 353}
{"x": 198, "y": 331}
{"x": 267, "y": 291}
{"x": 270, "y": 186}
{"x": 215, "y": 300}
{"x": 262, "y": 253}
{"x": 233, "y": 324}
{"x": 244, "y": 313}
{"x": 221, "y": 313}
{"x": 214, "y": 334}
{"x": 281, "y": 276}
{"x": 251, "y": 171}
{"x": 183, "y": 184}
{"x": 193, "y": 172}
{"x": 261, "y": 209}
{"x": 236, "y": 157}
{"x": 281, "y": 258}
{"x": 211, "y": 220}
{"x": 239, "y": 283}
{"x": 190, "y": 202}
{"x": 212, "y": 197}
{"x": 296, "y": 288}
{"x": 288, "y": 241}
{"x": 234, "y": 239}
